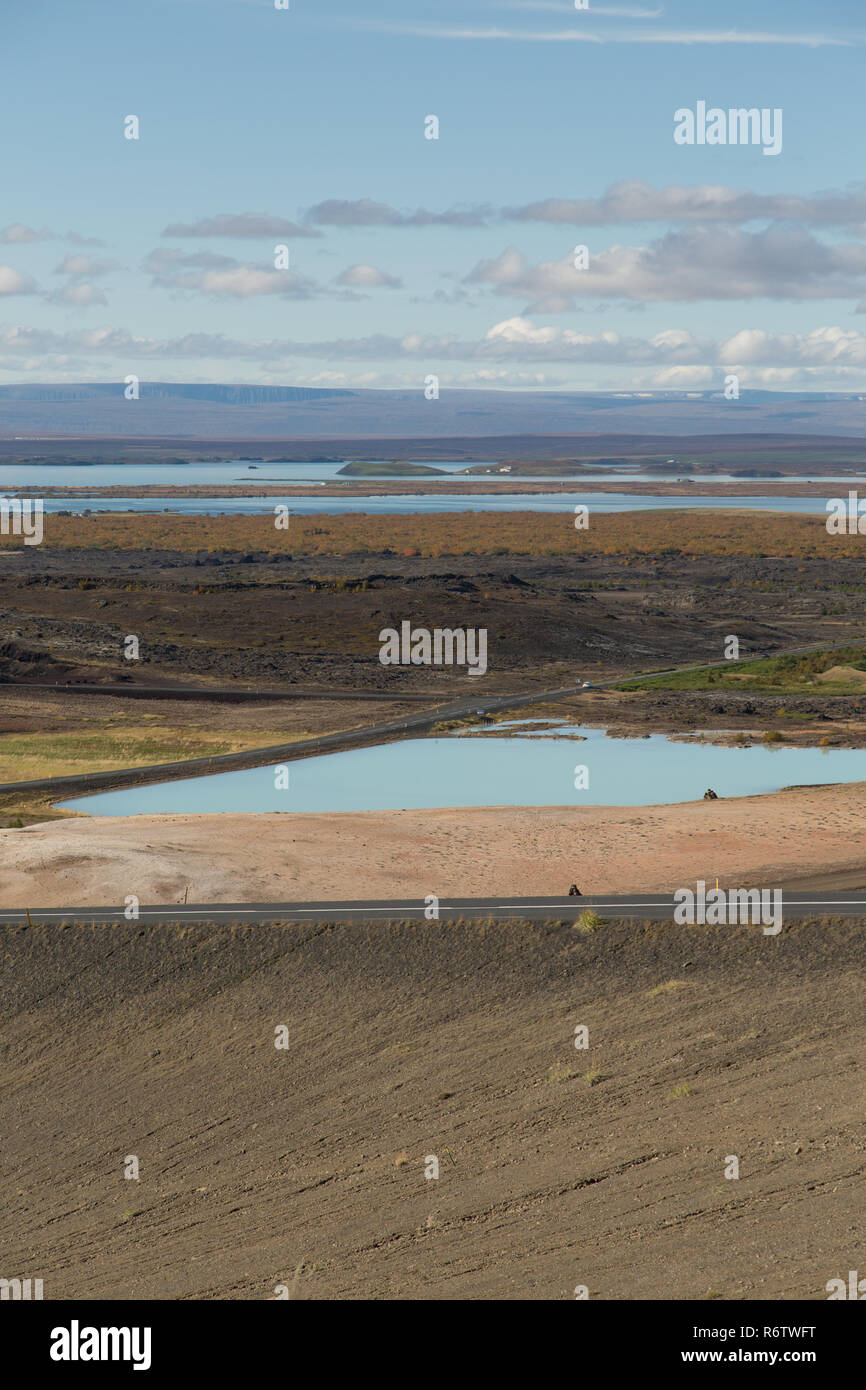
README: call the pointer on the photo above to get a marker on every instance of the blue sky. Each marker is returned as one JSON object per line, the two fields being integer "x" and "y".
{"x": 408, "y": 256}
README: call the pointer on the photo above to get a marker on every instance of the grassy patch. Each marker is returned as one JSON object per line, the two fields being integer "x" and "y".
{"x": 561, "y": 1071}
{"x": 778, "y": 675}
{"x": 448, "y": 726}
{"x": 26, "y": 757}
{"x": 589, "y": 921}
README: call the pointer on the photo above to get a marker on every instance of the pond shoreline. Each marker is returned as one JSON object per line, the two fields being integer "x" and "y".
{"x": 815, "y": 835}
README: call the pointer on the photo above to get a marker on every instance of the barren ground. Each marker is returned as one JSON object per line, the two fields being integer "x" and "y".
{"x": 557, "y": 1167}
{"x": 230, "y": 604}
{"x": 782, "y": 839}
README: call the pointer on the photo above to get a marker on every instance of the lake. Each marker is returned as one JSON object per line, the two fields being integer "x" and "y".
{"x": 444, "y": 502}
{"x": 564, "y": 494}
{"x": 532, "y": 769}
{"x": 33, "y": 477}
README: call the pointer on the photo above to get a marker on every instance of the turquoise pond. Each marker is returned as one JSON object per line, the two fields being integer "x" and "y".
{"x": 535, "y": 768}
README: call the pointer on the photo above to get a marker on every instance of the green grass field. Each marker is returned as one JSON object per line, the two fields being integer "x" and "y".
{"x": 778, "y": 675}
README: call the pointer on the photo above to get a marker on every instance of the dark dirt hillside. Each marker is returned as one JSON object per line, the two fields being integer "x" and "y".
{"x": 305, "y": 1167}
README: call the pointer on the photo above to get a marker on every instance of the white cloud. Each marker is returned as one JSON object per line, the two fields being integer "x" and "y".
{"x": 13, "y": 282}
{"x": 632, "y": 200}
{"x": 367, "y": 212}
{"x": 515, "y": 350}
{"x": 628, "y": 200}
{"x": 206, "y": 272}
{"x": 368, "y": 277}
{"x": 694, "y": 264}
{"x": 76, "y": 239}
{"x": 79, "y": 294}
{"x": 828, "y": 346}
{"x": 79, "y": 265}
{"x": 584, "y": 34}
{"x": 240, "y": 224}
{"x": 17, "y": 234}
{"x": 684, "y": 378}
{"x": 247, "y": 280}
{"x": 498, "y": 377}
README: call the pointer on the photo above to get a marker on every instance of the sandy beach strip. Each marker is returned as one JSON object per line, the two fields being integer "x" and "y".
{"x": 808, "y": 836}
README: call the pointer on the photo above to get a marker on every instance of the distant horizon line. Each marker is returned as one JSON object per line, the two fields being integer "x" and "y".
{"x": 669, "y": 393}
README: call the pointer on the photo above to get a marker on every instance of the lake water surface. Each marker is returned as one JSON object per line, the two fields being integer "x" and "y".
{"x": 444, "y": 502}
{"x": 470, "y": 770}
{"x": 97, "y": 475}
{"x": 563, "y": 494}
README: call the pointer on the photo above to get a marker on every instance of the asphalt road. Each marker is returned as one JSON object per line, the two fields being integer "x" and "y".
{"x": 281, "y": 752}
{"x": 645, "y": 907}
{"x": 238, "y": 694}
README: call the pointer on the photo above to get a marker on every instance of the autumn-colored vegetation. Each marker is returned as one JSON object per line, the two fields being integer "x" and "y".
{"x": 664, "y": 534}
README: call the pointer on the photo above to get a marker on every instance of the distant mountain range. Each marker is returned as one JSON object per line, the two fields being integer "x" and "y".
{"x": 190, "y": 411}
